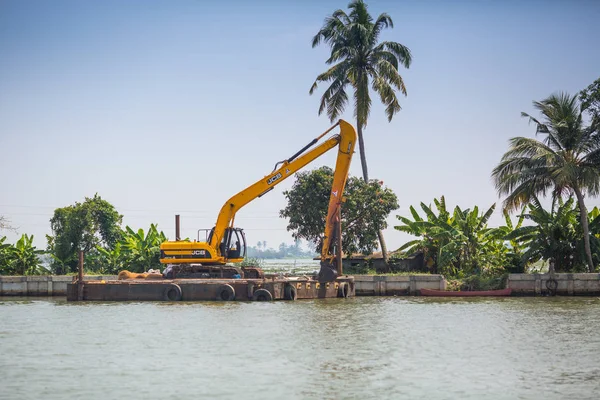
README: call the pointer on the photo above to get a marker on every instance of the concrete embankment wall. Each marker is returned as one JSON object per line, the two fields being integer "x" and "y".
{"x": 40, "y": 285}
{"x": 521, "y": 284}
{"x": 366, "y": 285}
{"x": 566, "y": 284}
{"x": 382, "y": 285}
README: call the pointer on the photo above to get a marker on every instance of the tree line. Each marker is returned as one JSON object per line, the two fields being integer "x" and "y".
{"x": 458, "y": 243}
{"x": 94, "y": 227}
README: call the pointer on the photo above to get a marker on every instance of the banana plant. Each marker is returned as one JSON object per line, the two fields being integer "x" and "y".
{"x": 473, "y": 236}
{"x": 24, "y": 257}
{"x": 453, "y": 244}
{"x": 594, "y": 222}
{"x": 554, "y": 237}
{"x": 142, "y": 248}
{"x": 514, "y": 248}
{"x": 112, "y": 260}
{"x": 439, "y": 249}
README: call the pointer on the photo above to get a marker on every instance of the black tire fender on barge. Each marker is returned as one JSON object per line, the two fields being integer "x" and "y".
{"x": 172, "y": 292}
{"x": 226, "y": 293}
{"x": 262, "y": 295}
{"x": 290, "y": 292}
{"x": 552, "y": 285}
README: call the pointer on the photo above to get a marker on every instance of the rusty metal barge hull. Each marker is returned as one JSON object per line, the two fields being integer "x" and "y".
{"x": 210, "y": 289}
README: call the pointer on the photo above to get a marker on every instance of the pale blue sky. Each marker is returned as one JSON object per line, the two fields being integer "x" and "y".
{"x": 167, "y": 107}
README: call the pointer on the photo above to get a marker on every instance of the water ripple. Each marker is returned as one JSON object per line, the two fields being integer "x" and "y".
{"x": 361, "y": 348}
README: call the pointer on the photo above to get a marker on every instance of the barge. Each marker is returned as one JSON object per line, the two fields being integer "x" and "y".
{"x": 263, "y": 289}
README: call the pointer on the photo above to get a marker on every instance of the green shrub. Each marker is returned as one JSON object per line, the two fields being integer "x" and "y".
{"x": 478, "y": 282}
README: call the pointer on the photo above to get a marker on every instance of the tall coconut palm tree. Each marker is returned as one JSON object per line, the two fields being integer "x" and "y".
{"x": 566, "y": 160}
{"x": 360, "y": 61}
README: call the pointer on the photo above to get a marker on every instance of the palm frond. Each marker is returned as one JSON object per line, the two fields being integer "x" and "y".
{"x": 359, "y": 12}
{"x": 337, "y": 103}
{"x": 389, "y": 73}
{"x": 387, "y": 96}
{"x": 384, "y": 21}
{"x": 342, "y": 16}
{"x": 400, "y": 51}
{"x": 522, "y": 194}
{"x": 332, "y": 28}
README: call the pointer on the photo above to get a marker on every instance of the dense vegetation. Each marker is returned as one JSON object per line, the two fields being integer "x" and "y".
{"x": 94, "y": 227}
{"x": 22, "y": 258}
{"x": 565, "y": 162}
{"x": 459, "y": 244}
{"x": 454, "y": 243}
{"x": 564, "y": 165}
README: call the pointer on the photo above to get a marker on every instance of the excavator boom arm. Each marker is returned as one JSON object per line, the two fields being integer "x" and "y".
{"x": 345, "y": 141}
{"x": 342, "y": 166}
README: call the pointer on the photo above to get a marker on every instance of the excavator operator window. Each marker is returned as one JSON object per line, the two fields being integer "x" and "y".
{"x": 244, "y": 247}
{"x": 234, "y": 249}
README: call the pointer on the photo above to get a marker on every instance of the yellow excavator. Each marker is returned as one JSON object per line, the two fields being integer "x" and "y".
{"x": 227, "y": 244}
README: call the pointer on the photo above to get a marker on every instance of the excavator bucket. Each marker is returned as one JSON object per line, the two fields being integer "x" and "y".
{"x": 328, "y": 272}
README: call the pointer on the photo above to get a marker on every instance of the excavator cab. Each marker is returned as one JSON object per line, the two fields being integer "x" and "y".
{"x": 233, "y": 244}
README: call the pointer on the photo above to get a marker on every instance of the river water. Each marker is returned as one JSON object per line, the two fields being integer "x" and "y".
{"x": 360, "y": 348}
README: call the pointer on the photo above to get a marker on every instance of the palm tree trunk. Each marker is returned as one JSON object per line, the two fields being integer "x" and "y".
{"x": 586, "y": 229}
{"x": 363, "y": 162}
{"x": 361, "y": 147}
{"x": 384, "y": 252}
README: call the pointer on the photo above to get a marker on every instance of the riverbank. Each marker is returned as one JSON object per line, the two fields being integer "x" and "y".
{"x": 42, "y": 285}
{"x": 366, "y": 285}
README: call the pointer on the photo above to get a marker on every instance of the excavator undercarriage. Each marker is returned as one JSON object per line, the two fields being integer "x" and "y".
{"x": 199, "y": 271}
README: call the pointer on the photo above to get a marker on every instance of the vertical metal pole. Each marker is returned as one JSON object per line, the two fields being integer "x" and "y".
{"x": 177, "y": 232}
{"x": 339, "y": 241}
{"x": 80, "y": 277}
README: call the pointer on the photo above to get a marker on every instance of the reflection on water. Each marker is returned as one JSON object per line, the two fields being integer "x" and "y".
{"x": 360, "y": 348}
